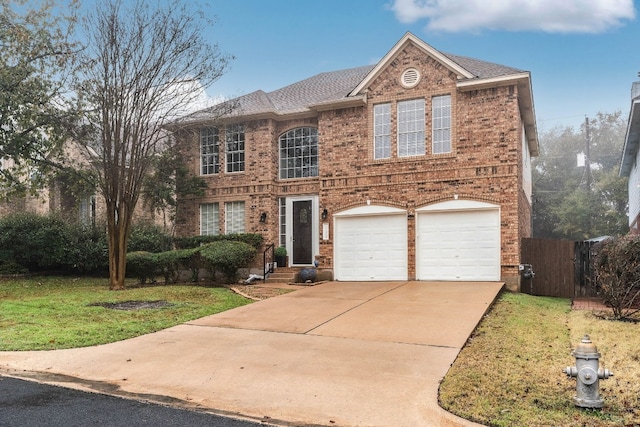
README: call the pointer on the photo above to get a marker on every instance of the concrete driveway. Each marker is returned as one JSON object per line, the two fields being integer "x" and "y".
{"x": 339, "y": 353}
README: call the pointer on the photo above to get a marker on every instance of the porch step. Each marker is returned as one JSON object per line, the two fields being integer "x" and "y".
{"x": 283, "y": 275}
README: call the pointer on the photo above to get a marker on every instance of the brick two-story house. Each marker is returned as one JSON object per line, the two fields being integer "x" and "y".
{"x": 417, "y": 167}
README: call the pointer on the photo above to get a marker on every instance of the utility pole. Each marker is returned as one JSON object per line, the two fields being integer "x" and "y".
{"x": 586, "y": 151}
{"x": 588, "y": 172}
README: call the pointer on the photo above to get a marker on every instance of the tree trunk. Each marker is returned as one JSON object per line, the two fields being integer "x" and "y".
{"x": 118, "y": 230}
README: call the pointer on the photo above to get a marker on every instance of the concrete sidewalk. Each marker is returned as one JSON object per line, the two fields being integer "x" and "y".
{"x": 346, "y": 354}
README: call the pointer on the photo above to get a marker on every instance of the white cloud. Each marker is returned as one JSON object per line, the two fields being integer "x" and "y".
{"x": 554, "y": 16}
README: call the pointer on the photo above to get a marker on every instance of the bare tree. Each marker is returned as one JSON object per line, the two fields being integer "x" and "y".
{"x": 143, "y": 65}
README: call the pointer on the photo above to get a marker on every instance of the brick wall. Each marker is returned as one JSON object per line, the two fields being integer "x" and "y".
{"x": 484, "y": 164}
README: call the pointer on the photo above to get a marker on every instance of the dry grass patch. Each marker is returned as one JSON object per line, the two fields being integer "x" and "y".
{"x": 510, "y": 371}
{"x": 619, "y": 345}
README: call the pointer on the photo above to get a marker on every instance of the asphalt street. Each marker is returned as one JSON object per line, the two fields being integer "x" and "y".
{"x": 30, "y": 404}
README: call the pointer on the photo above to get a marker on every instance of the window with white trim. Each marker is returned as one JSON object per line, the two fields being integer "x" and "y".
{"x": 441, "y": 113}
{"x": 235, "y": 148}
{"x": 411, "y": 128}
{"x": 382, "y": 131}
{"x": 209, "y": 151}
{"x": 234, "y": 217}
{"x": 299, "y": 153}
{"x": 87, "y": 210}
{"x": 209, "y": 219}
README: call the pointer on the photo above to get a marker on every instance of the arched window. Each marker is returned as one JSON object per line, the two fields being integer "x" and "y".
{"x": 299, "y": 153}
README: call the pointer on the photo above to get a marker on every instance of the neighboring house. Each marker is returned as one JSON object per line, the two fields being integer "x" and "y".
{"x": 630, "y": 164}
{"x": 417, "y": 167}
{"x": 57, "y": 198}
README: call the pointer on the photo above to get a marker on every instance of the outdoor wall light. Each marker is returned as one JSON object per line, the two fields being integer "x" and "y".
{"x": 325, "y": 214}
{"x": 263, "y": 217}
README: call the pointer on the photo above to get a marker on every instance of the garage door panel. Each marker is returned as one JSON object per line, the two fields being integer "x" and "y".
{"x": 371, "y": 247}
{"x": 458, "y": 245}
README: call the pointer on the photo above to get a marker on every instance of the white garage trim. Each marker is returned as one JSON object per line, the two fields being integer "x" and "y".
{"x": 370, "y": 243}
{"x": 458, "y": 240}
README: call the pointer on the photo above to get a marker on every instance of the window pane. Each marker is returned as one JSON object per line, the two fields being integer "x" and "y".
{"x": 299, "y": 153}
{"x": 411, "y": 128}
{"x": 441, "y": 124}
{"x": 209, "y": 151}
{"x": 382, "y": 131}
{"x": 209, "y": 219}
{"x": 235, "y": 148}
{"x": 234, "y": 217}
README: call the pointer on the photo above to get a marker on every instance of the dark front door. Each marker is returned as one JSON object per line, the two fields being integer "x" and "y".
{"x": 302, "y": 237}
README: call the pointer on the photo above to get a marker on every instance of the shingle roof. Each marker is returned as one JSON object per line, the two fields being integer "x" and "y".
{"x": 482, "y": 69}
{"x": 330, "y": 87}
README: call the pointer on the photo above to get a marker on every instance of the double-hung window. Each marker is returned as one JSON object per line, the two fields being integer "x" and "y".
{"x": 209, "y": 151}
{"x": 209, "y": 219}
{"x": 382, "y": 131}
{"x": 234, "y": 217}
{"x": 411, "y": 128}
{"x": 235, "y": 148}
{"x": 441, "y": 112}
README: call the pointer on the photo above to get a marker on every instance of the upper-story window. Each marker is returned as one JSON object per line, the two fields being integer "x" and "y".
{"x": 235, "y": 148}
{"x": 209, "y": 151}
{"x": 411, "y": 128}
{"x": 382, "y": 131}
{"x": 441, "y": 106}
{"x": 411, "y": 134}
{"x": 299, "y": 153}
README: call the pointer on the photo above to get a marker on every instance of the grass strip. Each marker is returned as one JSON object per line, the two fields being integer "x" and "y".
{"x": 510, "y": 371}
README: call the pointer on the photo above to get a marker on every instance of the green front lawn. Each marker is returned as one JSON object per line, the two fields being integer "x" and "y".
{"x": 46, "y": 313}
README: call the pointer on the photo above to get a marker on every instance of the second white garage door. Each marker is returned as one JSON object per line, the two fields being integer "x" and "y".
{"x": 459, "y": 241}
{"x": 371, "y": 244}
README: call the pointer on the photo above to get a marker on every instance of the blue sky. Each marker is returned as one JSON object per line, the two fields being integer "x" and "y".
{"x": 583, "y": 55}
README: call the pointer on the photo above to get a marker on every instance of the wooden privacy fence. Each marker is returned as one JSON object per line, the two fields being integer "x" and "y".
{"x": 562, "y": 267}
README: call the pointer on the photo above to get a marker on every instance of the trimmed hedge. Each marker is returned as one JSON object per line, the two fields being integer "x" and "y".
{"x": 224, "y": 256}
{"x": 254, "y": 240}
{"x": 227, "y": 257}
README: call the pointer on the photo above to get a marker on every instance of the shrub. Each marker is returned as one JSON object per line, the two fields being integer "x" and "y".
{"x": 36, "y": 242}
{"x": 254, "y": 240}
{"x": 617, "y": 274}
{"x": 46, "y": 243}
{"x": 88, "y": 250}
{"x": 142, "y": 265}
{"x": 171, "y": 262}
{"x": 227, "y": 257}
{"x": 149, "y": 238}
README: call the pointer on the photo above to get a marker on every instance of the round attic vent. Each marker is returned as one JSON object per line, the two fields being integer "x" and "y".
{"x": 410, "y": 77}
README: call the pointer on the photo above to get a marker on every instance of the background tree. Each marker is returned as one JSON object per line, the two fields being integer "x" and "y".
{"x": 564, "y": 205}
{"x": 144, "y": 63}
{"x": 169, "y": 176}
{"x": 36, "y": 53}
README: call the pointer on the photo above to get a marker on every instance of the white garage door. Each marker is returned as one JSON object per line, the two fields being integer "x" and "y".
{"x": 458, "y": 245}
{"x": 371, "y": 244}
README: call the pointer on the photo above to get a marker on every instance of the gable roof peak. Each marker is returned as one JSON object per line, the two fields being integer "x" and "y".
{"x": 410, "y": 38}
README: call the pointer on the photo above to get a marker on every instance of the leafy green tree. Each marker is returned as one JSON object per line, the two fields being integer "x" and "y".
{"x": 571, "y": 202}
{"x": 169, "y": 176}
{"x": 36, "y": 51}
